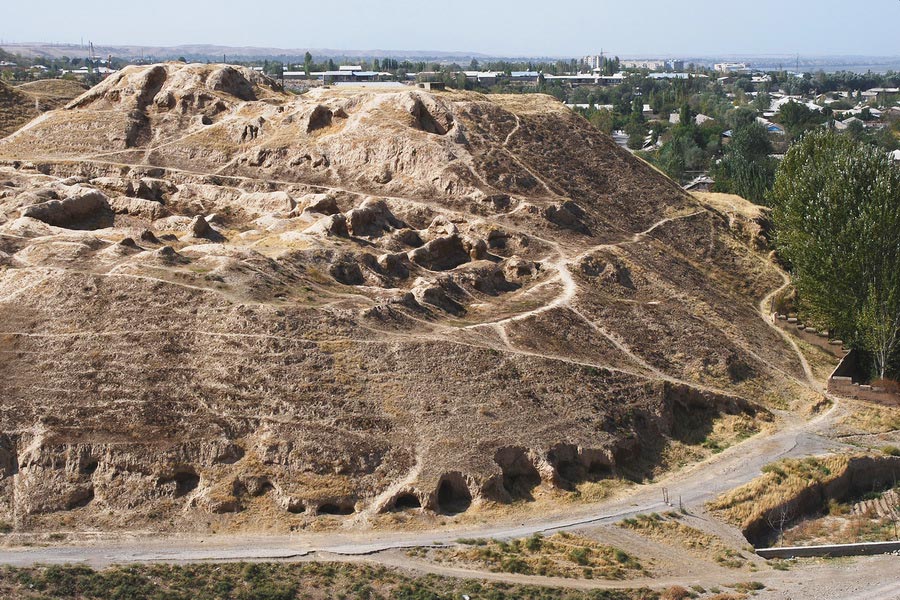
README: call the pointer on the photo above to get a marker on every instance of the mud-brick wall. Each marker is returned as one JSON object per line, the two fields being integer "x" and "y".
{"x": 841, "y": 383}
{"x": 820, "y": 339}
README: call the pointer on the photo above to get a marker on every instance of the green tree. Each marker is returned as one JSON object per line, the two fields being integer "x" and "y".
{"x": 602, "y": 119}
{"x": 274, "y": 69}
{"x": 681, "y": 153}
{"x": 837, "y": 217}
{"x": 739, "y": 117}
{"x": 856, "y": 131}
{"x": 637, "y": 110}
{"x": 797, "y": 118}
{"x": 637, "y": 133}
{"x": 746, "y": 168}
{"x": 686, "y": 115}
{"x": 307, "y": 63}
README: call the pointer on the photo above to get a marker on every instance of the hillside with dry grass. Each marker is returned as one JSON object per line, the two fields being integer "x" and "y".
{"x": 16, "y": 109}
{"x": 226, "y": 306}
{"x": 790, "y": 491}
{"x": 19, "y": 104}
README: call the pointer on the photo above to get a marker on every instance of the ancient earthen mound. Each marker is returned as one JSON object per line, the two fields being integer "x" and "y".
{"x": 221, "y": 304}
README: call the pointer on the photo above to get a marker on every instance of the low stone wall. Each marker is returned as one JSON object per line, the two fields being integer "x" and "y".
{"x": 844, "y": 382}
{"x": 811, "y": 335}
{"x": 863, "y": 549}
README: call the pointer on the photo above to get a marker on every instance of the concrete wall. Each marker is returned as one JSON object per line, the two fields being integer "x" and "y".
{"x": 831, "y": 550}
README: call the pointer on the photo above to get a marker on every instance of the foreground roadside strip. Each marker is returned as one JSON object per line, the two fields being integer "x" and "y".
{"x": 696, "y": 485}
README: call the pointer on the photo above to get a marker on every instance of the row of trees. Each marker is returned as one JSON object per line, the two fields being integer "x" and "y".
{"x": 836, "y": 210}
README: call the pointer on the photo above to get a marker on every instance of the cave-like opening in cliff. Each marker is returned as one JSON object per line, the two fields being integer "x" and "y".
{"x": 453, "y": 494}
{"x": 520, "y": 476}
{"x": 336, "y": 508}
{"x": 186, "y": 480}
{"x": 407, "y": 501}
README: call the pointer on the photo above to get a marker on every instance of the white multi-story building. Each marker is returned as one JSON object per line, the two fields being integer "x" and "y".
{"x": 650, "y": 65}
{"x": 729, "y": 67}
{"x": 594, "y": 61}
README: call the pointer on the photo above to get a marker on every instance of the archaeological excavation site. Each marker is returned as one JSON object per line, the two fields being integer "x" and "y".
{"x": 227, "y": 307}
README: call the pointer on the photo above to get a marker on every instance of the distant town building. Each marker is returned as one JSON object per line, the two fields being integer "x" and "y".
{"x": 83, "y": 72}
{"x": 702, "y": 183}
{"x": 730, "y": 67}
{"x": 593, "y": 61}
{"x": 676, "y": 76}
{"x": 587, "y": 79}
{"x": 483, "y": 77}
{"x": 525, "y": 76}
{"x": 779, "y": 103}
{"x": 770, "y": 126}
{"x": 846, "y": 123}
{"x": 342, "y": 75}
{"x": 608, "y": 107}
{"x": 651, "y": 65}
{"x": 881, "y": 95}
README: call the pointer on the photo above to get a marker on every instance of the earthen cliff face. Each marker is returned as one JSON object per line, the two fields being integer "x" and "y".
{"x": 218, "y": 298}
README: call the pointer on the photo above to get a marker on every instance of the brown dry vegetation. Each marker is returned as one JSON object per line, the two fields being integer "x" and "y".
{"x": 269, "y": 581}
{"x": 871, "y": 518}
{"x": 21, "y": 103}
{"x": 866, "y": 417}
{"x": 16, "y": 109}
{"x": 780, "y": 482}
{"x": 63, "y": 90}
{"x": 560, "y": 555}
{"x": 669, "y": 530}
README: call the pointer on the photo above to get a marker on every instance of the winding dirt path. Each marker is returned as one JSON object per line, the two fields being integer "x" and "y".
{"x": 765, "y": 311}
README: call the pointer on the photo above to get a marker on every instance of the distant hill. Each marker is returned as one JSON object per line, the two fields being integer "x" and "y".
{"x": 215, "y": 52}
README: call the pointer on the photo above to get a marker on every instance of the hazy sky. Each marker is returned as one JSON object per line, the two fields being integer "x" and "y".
{"x": 500, "y": 27}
